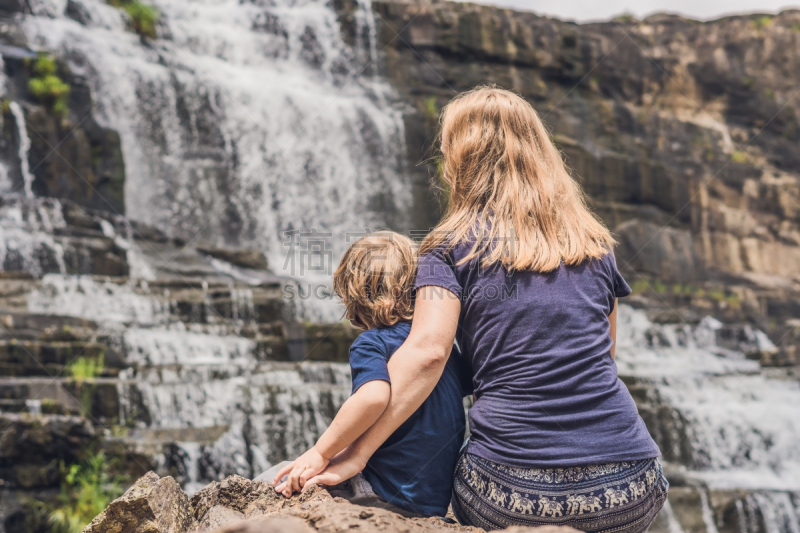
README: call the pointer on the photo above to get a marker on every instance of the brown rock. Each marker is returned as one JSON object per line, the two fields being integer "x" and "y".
{"x": 233, "y": 492}
{"x": 665, "y": 252}
{"x": 238, "y": 505}
{"x": 218, "y": 517}
{"x": 243, "y": 257}
{"x": 283, "y": 524}
{"x": 151, "y": 505}
{"x": 340, "y": 516}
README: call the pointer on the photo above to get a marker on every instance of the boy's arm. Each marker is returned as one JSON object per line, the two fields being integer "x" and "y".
{"x": 415, "y": 368}
{"x": 356, "y": 415}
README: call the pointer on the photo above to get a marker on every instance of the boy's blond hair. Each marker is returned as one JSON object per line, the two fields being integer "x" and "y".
{"x": 375, "y": 280}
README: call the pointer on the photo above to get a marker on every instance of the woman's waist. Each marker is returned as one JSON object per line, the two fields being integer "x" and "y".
{"x": 558, "y": 434}
{"x": 519, "y": 397}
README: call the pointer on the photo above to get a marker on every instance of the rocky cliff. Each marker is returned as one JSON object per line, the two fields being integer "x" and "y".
{"x": 238, "y": 505}
{"x": 684, "y": 134}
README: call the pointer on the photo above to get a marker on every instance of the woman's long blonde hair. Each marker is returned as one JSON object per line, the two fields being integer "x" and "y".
{"x": 509, "y": 189}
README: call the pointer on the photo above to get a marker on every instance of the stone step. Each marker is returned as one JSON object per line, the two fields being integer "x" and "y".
{"x": 13, "y": 406}
{"x": 97, "y": 399}
{"x": 48, "y": 327}
{"x": 35, "y": 358}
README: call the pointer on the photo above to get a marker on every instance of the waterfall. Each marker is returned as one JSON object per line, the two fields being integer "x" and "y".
{"x": 27, "y": 242}
{"x": 724, "y": 425}
{"x": 243, "y": 120}
{"x": 366, "y": 29}
{"x": 104, "y": 302}
{"x": 738, "y": 425}
{"x": 24, "y": 148}
{"x": 247, "y": 119}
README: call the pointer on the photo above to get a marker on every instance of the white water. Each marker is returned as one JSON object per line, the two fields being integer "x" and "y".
{"x": 26, "y": 235}
{"x": 269, "y": 411}
{"x": 107, "y": 303}
{"x": 742, "y": 425}
{"x": 243, "y": 120}
{"x": 246, "y": 119}
{"x": 24, "y": 148}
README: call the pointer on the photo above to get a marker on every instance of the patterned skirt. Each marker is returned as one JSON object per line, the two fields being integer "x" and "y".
{"x": 613, "y": 497}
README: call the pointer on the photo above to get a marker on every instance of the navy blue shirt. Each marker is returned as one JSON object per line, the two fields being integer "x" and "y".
{"x": 414, "y": 468}
{"x": 539, "y": 345}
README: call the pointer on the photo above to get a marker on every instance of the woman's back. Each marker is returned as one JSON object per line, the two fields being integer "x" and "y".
{"x": 539, "y": 344}
{"x": 556, "y": 438}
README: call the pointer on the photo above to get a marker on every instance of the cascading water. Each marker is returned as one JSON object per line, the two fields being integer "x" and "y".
{"x": 723, "y": 423}
{"x": 244, "y": 120}
{"x": 24, "y": 148}
{"x": 26, "y": 236}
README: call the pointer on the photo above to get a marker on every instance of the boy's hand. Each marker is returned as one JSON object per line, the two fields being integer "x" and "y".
{"x": 342, "y": 467}
{"x": 301, "y": 470}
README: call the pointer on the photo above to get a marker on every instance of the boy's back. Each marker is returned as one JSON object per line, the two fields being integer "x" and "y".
{"x": 414, "y": 468}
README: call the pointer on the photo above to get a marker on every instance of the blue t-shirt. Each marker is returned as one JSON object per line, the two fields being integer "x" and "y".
{"x": 539, "y": 345}
{"x": 414, "y": 468}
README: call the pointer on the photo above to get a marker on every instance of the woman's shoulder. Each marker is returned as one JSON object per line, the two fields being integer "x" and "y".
{"x": 606, "y": 261}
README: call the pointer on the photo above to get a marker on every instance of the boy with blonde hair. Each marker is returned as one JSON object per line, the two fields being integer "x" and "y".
{"x": 412, "y": 472}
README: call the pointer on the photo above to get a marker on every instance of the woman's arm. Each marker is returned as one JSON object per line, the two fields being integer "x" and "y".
{"x": 415, "y": 369}
{"x": 612, "y": 320}
{"x": 355, "y": 416}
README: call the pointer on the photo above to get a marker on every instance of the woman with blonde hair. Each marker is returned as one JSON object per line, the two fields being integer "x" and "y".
{"x": 521, "y": 274}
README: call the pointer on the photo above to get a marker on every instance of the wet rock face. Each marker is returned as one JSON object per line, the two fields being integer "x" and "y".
{"x": 71, "y": 156}
{"x": 667, "y": 120}
{"x": 238, "y": 505}
{"x": 679, "y": 132}
{"x": 30, "y": 447}
{"x": 243, "y": 257}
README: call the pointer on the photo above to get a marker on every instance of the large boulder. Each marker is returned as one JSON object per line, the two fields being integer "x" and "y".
{"x": 238, "y": 505}
{"x": 663, "y": 252}
{"x": 151, "y": 505}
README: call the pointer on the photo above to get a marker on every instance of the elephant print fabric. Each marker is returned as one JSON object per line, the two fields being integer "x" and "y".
{"x": 621, "y": 497}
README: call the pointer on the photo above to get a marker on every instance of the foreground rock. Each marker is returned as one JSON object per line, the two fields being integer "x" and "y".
{"x": 238, "y": 505}
{"x": 151, "y": 505}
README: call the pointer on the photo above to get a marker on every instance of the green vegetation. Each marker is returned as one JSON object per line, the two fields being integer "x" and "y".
{"x": 430, "y": 108}
{"x": 739, "y": 157}
{"x": 719, "y": 296}
{"x": 47, "y": 87}
{"x": 641, "y": 286}
{"x": 681, "y": 290}
{"x": 86, "y": 489}
{"x": 84, "y": 368}
{"x": 143, "y": 17}
{"x": 659, "y": 287}
{"x": 625, "y": 18}
{"x": 761, "y": 22}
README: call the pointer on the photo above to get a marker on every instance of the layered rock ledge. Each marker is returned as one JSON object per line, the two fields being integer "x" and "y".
{"x": 238, "y": 505}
